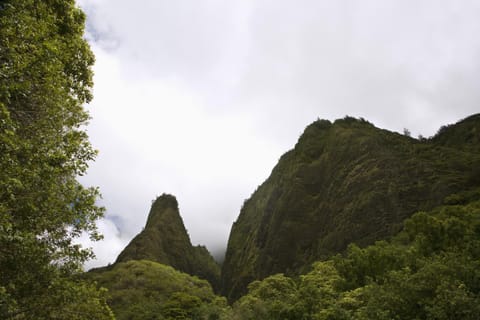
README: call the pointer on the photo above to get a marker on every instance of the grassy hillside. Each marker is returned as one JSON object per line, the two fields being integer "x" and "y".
{"x": 140, "y": 290}
{"x": 344, "y": 182}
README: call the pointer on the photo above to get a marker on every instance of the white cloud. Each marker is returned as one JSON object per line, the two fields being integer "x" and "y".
{"x": 200, "y": 98}
{"x": 154, "y": 137}
{"x": 369, "y": 58}
{"x": 108, "y": 249}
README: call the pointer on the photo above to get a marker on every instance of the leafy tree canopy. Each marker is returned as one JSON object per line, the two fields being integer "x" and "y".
{"x": 45, "y": 78}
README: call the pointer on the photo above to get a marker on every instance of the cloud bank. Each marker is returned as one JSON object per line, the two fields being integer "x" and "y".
{"x": 200, "y": 98}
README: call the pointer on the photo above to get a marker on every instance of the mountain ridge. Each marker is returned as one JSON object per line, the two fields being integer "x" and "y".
{"x": 343, "y": 182}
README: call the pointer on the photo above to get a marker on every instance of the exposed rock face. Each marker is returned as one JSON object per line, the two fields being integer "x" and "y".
{"x": 165, "y": 240}
{"x": 344, "y": 182}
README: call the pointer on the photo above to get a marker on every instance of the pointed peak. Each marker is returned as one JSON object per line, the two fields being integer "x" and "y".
{"x": 165, "y": 240}
{"x": 164, "y": 207}
{"x": 165, "y": 201}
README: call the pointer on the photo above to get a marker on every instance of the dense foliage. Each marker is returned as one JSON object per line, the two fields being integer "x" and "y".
{"x": 464, "y": 134}
{"x": 165, "y": 240}
{"x": 343, "y": 187}
{"x": 141, "y": 289}
{"x": 431, "y": 270}
{"x": 45, "y": 78}
{"x": 344, "y": 182}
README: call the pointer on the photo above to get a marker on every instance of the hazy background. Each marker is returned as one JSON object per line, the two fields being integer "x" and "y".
{"x": 200, "y": 98}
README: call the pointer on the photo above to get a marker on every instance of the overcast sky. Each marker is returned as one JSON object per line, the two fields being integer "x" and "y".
{"x": 200, "y": 98}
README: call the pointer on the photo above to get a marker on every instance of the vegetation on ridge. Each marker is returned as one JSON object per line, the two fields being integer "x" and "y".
{"x": 431, "y": 270}
{"x": 344, "y": 182}
{"x": 343, "y": 187}
{"x": 427, "y": 271}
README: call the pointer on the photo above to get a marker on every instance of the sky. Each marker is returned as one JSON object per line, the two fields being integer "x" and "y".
{"x": 200, "y": 98}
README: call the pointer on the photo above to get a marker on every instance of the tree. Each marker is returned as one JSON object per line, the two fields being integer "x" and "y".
{"x": 319, "y": 289}
{"x": 45, "y": 78}
{"x": 272, "y": 298}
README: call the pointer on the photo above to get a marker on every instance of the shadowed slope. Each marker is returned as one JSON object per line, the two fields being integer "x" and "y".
{"x": 344, "y": 182}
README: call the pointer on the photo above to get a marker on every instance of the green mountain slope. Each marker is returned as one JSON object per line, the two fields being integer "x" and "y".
{"x": 430, "y": 270}
{"x": 141, "y": 289}
{"x": 344, "y": 182}
{"x": 464, "y": 134}
{"x": 165, "y": 240}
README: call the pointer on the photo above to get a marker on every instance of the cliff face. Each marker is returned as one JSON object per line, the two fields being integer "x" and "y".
{"x": 165, "y": 240}
{"x": 344, "y": 182}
